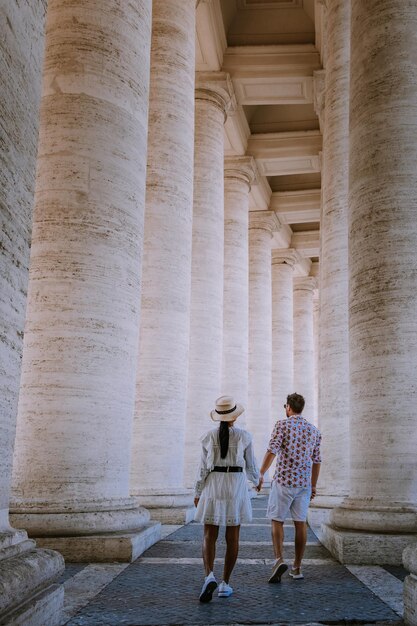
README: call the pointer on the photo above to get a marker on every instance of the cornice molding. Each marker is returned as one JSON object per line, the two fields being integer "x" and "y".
{"x": 319, "y": 96}
{"x": 260, "y": 195}
{"x": 274, "y": 60}
{"x": 245, "y": 5}
{"x": 272, "y": 74}
{"x": 292, "y": 152}
{"x": 237, "y": 133}
{"x": 320, "y": 11}
{"x": 297, "y": 207}
{"x": 211, "y": 41}
{"x": 307, "y": 243}
{"x": 241, "y": 168}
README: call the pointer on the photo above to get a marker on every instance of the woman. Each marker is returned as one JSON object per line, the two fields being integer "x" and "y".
{"x": 221, "y": 492}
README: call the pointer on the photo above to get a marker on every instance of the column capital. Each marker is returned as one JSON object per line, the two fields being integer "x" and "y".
{"x": 287, "y": 256}
{"x": 264, "y": 220}
{"x": 217, "y": 88}
{"x": 319, "y": 95}
{"x": 242, "y": 168}
{"x": 305, "y": 283}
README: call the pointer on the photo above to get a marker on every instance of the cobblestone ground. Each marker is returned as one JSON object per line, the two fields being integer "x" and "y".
{"x": 162, "y": 586}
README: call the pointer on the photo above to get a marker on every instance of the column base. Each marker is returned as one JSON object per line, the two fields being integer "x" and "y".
{"x": 319, "y": 512}
{"x": 365, "y": 548}
{"x": 410, "y": 585}
{"x": 29, "y": 595}
{"x": 43, "y": 609}
{"x": 120, "y": 547}
{"x": 42, "y": 519}
{"x": 168, "y": 507}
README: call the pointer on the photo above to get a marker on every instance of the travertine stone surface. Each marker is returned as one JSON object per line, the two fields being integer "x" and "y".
{"x": 239, "y": 175}
{"x": 283, "y": 262}
{"x": 166, "y": 276}
{"x": 304, "y": 342}
{"x": 382, "y": 271}
{"x": 262, "y": 224}
{"x": 21, "y": 68}
{"x": 76, "y": 403}
{"x": 333, "y": 375}
{"x": 410, "y": 585}
{"x": 364, "y": 548}
{"x": 26, "y": 573}
{"x": 121, "y": 547}
{"x": 214, "y": 95}
{"x": 316, "y": 317}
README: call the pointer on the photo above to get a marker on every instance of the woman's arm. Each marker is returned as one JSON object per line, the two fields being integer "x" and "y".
{"x": 203, "y": 472}
{"x": 252, "y": 470}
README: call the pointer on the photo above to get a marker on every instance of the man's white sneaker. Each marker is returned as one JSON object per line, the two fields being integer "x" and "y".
{"x": 225, "y": 590}
{"x": 296, "y": 573}
{"x": 210, "y": 584}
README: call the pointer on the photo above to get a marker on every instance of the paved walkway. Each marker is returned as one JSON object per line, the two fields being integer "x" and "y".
{"x": 162, "y": 586}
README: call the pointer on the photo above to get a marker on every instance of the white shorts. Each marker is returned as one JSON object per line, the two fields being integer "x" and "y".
{"x": 283, "y": 500}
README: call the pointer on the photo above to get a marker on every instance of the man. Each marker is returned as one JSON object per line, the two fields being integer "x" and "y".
{"x": 296, "y": 444}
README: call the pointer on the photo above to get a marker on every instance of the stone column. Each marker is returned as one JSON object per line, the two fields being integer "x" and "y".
{"x": 283, "y": 262}
{"x": 28, "y": 593}
{"x": 214, "y": 97}
{"x": 72, "y": 457}
{"x": 262, "y": 224}
{"x": 165, "y": 311}
{"x": 316, "y": 316}
{"x": 379, "y": 518}
{"x": 239, "y": 174}
{"x": 410, "y": 585}
{"x": 333, "y": 375}
{"x": 304, "y": 342}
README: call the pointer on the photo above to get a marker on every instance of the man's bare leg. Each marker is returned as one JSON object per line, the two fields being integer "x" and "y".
{"x": 278, "y": 539}
{"x": 300, "y": 544}
{"x": 278, "y": 542}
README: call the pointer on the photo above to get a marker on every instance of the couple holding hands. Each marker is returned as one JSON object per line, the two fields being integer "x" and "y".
{"x": 221, "y": 492}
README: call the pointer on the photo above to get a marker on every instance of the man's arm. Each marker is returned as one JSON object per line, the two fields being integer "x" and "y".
{"x": 315, "y": 471}
{"x": 266, "y": 464}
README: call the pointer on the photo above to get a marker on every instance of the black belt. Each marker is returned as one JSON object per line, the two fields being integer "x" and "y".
{"x": 227, "y": 468}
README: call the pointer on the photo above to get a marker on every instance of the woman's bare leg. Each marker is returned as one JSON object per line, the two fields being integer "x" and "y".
{"x": 209, "y": 546}
{"x": 232, "y": 550}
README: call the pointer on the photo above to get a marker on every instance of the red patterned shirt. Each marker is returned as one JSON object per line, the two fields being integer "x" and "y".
{"x": 296, "y": 444}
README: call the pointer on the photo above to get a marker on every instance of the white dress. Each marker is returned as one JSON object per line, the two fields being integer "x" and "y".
{"x": 224, "y": 496}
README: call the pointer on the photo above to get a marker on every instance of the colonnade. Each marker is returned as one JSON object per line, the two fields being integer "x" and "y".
{"x": 152, "y": 287}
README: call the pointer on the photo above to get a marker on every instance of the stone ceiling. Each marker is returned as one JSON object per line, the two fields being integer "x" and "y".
{"x": 271, "y": 50}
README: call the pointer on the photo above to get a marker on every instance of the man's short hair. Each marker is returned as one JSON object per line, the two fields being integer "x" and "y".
{"x": 296, "y": 402}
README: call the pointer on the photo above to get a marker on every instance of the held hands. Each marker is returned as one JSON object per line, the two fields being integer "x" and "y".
{"x": 196, "y": 502}
{"x": 261, "y": 482}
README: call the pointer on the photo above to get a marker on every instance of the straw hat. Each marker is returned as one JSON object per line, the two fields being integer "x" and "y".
{"x": 226, "y": 409}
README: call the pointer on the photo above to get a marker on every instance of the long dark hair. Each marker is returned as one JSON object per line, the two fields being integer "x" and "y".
{"x": 224, "y": 438}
